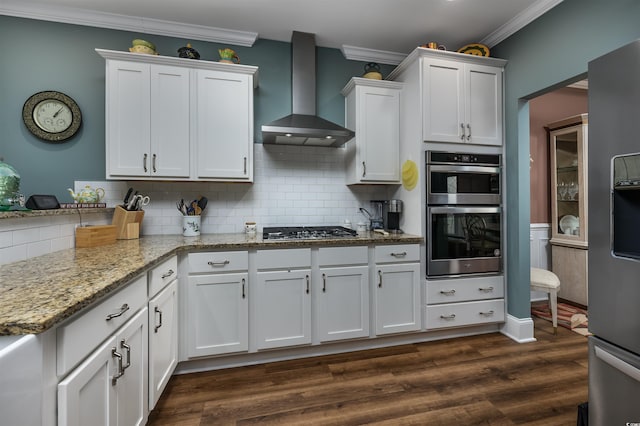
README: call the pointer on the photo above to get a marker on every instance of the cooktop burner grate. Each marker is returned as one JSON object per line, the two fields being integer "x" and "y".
{"x": 306, "y": 232}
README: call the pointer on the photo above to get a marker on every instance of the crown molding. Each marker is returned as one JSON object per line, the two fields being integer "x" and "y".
{"x": 78, "y": 16}
{"x": 521, "y": 20}
{"x": 355, "y": 53}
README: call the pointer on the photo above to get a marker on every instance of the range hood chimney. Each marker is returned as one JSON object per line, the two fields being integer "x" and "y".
{"x": 304, "y": 127}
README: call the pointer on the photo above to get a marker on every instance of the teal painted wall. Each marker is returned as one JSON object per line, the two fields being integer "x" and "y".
{"x": 39, "y": 55}
{"x": 550, "y": 52}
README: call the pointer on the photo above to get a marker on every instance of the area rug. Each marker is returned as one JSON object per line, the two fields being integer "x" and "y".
{"x": 569, "y": 316}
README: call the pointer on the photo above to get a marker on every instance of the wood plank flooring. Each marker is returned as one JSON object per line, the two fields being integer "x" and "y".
{"x": 477, "y": 380}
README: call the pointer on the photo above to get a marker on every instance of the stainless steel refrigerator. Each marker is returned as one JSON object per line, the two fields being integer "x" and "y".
{"x": 614, "y": 237}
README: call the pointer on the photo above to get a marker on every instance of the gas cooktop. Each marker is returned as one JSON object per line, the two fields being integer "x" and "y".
{"x": 306, "y": 232}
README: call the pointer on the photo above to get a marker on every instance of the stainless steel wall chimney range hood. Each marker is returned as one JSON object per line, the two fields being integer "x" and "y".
{"x": 303, "y": 127}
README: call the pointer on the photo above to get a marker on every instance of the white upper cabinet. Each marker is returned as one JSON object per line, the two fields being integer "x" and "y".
{"x": 224, "y": 125}
{"x": 178, "y": 118}
{"x": 462, "y": 102}
{"x": 372, "y": 109}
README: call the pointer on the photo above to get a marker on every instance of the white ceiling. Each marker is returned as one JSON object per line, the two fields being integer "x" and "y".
{"x": 396, "y": 26}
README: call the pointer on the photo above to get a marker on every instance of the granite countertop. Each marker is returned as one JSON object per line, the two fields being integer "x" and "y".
{"x": 13, "y": 214}
{"x": 38, "y": 293}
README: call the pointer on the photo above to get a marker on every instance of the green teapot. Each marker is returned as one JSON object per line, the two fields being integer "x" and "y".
{"x": 228, "y": 56}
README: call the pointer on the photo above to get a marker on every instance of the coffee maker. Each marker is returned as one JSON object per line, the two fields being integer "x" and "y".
{"x": 393, "y": 216}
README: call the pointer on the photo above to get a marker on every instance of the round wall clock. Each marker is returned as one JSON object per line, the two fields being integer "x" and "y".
{"x": 52, "y": 116}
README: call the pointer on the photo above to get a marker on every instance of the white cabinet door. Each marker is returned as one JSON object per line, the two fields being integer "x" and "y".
{"x": 483, "y": 108}
{"x": 218, "y": 316}
{"x": 397, "y": 298}
{"x": 443, "y": 101}
{"x": 110, "y": 386}
{"x": 343, "y": 303}
{"x": 163, "y": 340}
{"x": 283, "y": 311}
{"x": 132, "y": 389}
{"x": 224, "y": 125}
{"x": 373, "y": 112}
{"x": 86, "y": 396}
{"x": 128, "y": 118}
{"x": 462, "y": 103}
{"x": 170, "y": 127}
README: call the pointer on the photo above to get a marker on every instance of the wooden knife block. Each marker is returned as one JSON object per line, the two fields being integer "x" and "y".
{"x": 127, "y": 223}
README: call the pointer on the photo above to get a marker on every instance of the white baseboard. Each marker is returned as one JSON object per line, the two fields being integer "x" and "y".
{"x": 518, "y": 329}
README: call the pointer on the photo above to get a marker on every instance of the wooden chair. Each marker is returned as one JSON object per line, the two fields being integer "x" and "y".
{"x": 548, "y": 282}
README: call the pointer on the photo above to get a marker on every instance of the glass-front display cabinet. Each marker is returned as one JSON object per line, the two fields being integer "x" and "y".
{"x": 569, "y": 188}
{"x": 568, "y": 164}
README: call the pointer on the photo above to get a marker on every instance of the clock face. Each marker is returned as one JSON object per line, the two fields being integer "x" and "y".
{"x": 52, "y": 116}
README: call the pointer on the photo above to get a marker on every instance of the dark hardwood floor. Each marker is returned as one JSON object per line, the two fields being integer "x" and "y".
{"x": 477, "y": 380}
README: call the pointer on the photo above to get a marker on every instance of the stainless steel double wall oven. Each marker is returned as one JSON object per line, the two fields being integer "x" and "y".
{"x": 464, "y": 213}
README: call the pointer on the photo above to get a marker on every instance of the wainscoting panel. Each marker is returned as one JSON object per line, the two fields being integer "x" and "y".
{"x": 539, "y": 236}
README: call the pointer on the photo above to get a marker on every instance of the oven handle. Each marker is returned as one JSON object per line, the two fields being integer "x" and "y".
{"x": 454, "y": 210}
{"x": 464, "y": 169}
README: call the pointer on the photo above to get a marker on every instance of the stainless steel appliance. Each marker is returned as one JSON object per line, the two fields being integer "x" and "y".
{"x": 393, "y": 216}
{"x": 458, "y": 178}
{"x": 614, "y": 244}
{"x": 464, "y": 214}
{"x": 306, "y": 232}
{"x": 303, "y": 127}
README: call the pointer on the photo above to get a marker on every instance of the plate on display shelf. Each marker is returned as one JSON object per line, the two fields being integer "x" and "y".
{"x": 568, "y": 223}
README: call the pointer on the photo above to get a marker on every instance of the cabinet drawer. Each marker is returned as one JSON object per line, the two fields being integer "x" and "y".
{"x": 283, "y": 258}
{"x": 397, "y": 253}
{"x": 84, "y": 333}
{"x": 162, "y": 275}
{"x": 464, "y": 289}
{"x": 337, "y": 256}
{"x": 223, "y": 261}
{"x": 466, "y": 313}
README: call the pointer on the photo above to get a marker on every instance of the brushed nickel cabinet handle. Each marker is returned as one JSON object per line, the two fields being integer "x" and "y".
{"x": 120, "y": 372}
{"x": 486, "y": 314}
{"x": 127, "y": 348}
{"x": 448, "y": 317}
{"x": 214, "y": 264}
{"x": 364, "y": 169}
{"x": 462, "y": 135}
{"x": 168, "y": 274}
{"x": 448, "y": 292}
{"x": 324, "y": 283}
{"x": 469, "y": 133}
{"x": 245, "y": 165}
{"x": 307, "y": 276}
{"x": 379, "y": 279}
{"x": 153, "y": 163}
{"x": 144, "y": 162}
{"x": 124, "y": 308}
{"x": 243, "y": 293}
{"x": 402, "y": 254}
{"x": 156, "y": 327}
{"x": 485, "y": 289}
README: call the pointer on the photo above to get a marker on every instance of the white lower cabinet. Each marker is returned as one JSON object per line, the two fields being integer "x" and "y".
{"x": 342, "y": 294}
{"x": 163, "y": 326}
{"x": 465, "y": 301}
{"x": 110, "y": 386}
{"x": 397, "y": 289}
{"x": 163, "y": 340}
{"x": 218, "y": 302}
{"x": 283, "y": 298}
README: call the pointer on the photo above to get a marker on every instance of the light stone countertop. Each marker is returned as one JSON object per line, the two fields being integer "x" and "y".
{"x": 38, "y": 293}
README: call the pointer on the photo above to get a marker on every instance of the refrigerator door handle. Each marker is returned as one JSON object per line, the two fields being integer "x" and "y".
{"x": 618, "y": 364}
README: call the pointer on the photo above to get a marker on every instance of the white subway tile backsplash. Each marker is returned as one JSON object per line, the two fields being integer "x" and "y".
{"x": 292, "y": 186}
